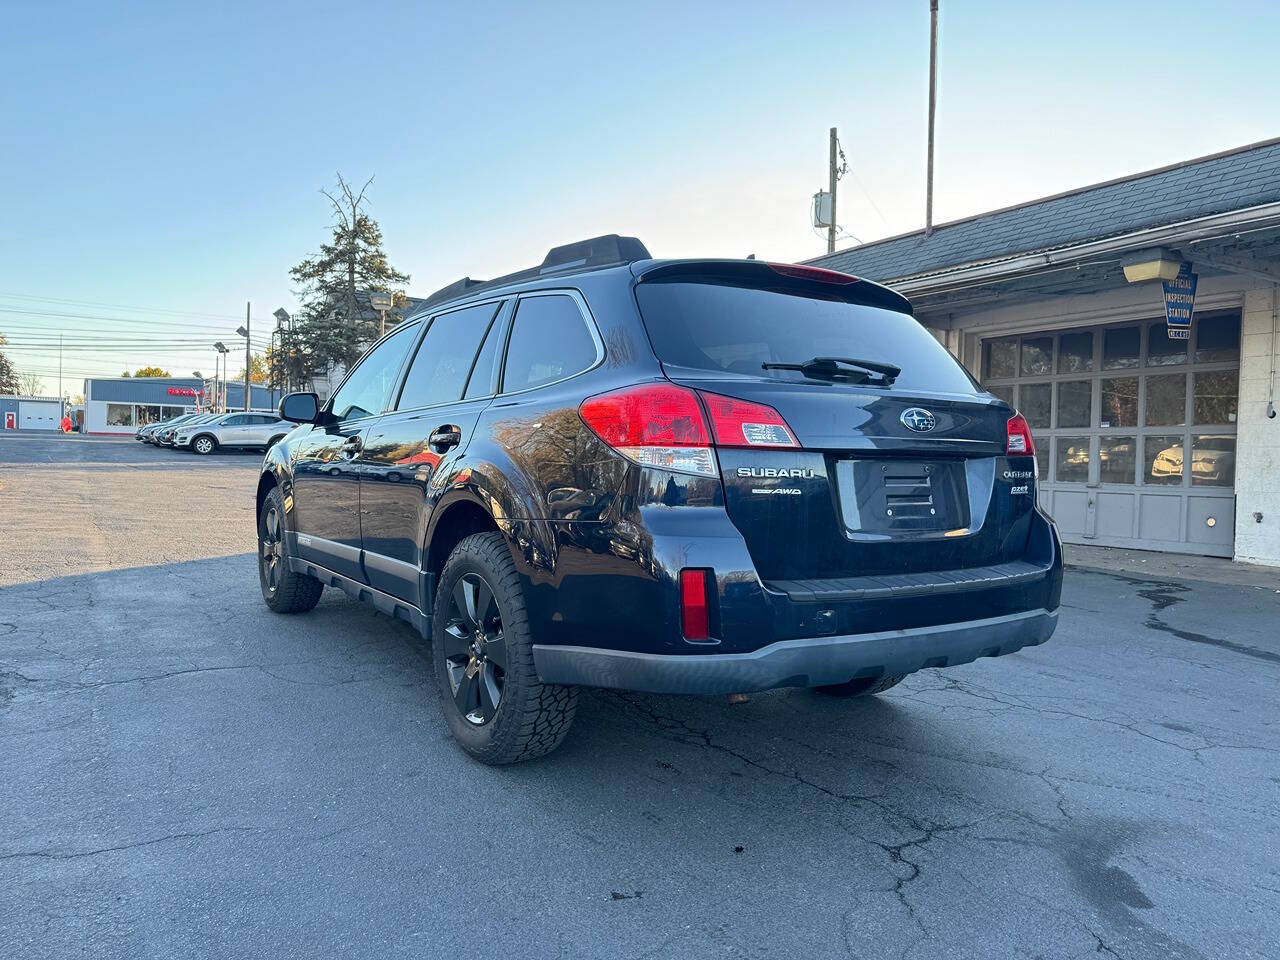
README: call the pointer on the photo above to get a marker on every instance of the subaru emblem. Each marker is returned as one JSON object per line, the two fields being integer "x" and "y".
{"x": 918, "y": 419}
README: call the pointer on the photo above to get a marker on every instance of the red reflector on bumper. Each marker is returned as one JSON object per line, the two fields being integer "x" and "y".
{"x": 695, "y": 619}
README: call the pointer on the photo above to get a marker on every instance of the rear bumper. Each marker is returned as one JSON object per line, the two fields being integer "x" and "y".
{"x": 797, "y": 663}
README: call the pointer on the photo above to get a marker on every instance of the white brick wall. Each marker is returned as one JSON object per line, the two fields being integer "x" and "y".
{"x": 1258, "y": 443}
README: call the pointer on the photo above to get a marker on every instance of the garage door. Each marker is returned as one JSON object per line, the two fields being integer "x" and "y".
{"x": 37, "y": 415}
{"x": 1135, "y": 433}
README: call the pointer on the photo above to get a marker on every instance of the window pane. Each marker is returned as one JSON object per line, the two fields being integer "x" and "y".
{"x": 999, "y": 358}
{"x": 368, "y": 388}
{"x": 1213, "y": 461}
{"x": 549, "y": 341}
{"x": 1162, "y": 459}
{"x": 119, "y": 414}
{"x": 1161, "y": 351}
{"x": 1217, "y": 337}
{"x": 481, "y": 383}
{"x": 1166, "y": 400}
{"x": 1216, "y": 397}
{"x": 1073, "y": 460}
{"x": 1075, "y": 403}
{"x": 1117, "y": 457}
{"x": 1120, "y": 348}
{"x": 1034, "y": 403}
{"x": 1005, "y": 393}
{"x": 443, "y": 361}
{"x": 1037, "y": 356}
{"x": 1075, "y": 352}
{"x": 1119, "y": 402}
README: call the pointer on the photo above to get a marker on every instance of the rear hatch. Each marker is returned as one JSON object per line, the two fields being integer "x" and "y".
{"x": 886, "y": 473}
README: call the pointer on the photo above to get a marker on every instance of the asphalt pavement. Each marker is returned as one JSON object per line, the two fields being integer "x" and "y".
{"x": 184, "y": 774}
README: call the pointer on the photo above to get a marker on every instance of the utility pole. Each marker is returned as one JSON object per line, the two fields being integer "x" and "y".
{"x": 59, "y": 366}
{"x": 247, "y": 348}
{"x": 833, "y": 177}
{"x": 933, "y": 104}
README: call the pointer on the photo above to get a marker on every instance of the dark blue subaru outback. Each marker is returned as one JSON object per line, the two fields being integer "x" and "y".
{"x": 675, "y": 476}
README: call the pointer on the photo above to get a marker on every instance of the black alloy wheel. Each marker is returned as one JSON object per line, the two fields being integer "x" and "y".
{"x": 271, "y": 550}
{"x": 475, "y": 649}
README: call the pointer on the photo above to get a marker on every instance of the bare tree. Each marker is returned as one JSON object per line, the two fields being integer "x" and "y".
{"x": 30, "y": 384}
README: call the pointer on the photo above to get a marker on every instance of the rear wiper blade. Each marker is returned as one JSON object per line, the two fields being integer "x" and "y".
{"x": 835, "y": 367}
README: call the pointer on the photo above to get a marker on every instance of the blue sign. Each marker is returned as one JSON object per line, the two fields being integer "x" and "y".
{"x": 1179, "y": 302}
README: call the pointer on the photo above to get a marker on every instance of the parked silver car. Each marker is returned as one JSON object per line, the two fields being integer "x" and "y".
{"x": 164, "y": 436}
{"x": 250, "y": 429}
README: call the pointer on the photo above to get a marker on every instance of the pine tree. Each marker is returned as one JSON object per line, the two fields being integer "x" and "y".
{"x": 8, "y": 375}
{"x": 336, "y": 322}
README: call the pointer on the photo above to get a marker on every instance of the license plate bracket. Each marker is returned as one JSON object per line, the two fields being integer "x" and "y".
{"x": 902, "y": 496}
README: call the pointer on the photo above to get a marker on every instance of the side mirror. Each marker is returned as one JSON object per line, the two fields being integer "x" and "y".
{"x": 300, "y": 407}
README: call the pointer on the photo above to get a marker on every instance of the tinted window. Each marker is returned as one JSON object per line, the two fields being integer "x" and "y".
{"x": 440, "y": 367}
{"x": 734, "y": 330}
{"x": 549, "y": 341}
{"x": 481, "y": 382}
{"x": 366, "y": 390}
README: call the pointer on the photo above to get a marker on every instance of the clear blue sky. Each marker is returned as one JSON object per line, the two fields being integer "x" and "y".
{"x": 169, "y": 156}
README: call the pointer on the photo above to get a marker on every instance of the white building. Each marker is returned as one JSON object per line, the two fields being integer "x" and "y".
{"x": 1141, "y": 440}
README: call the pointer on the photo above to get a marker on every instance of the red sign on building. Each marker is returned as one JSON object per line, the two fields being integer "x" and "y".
{"x": 185, "y": 392}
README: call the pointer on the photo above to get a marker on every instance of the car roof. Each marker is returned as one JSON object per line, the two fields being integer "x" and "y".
{"x": 628, "y": 256}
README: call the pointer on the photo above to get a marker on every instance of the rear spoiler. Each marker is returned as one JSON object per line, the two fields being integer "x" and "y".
{"x": 784, "y": 277}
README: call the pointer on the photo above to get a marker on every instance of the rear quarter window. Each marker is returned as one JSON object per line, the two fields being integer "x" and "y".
{"x": 549, "y": 341}
{"x": 732, "y": 331}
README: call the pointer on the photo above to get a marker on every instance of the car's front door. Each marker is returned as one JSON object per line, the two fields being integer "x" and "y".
{"x": 325, "y": 459}
{"x": 415, "y": 446}
{"x": 231, "y": 432}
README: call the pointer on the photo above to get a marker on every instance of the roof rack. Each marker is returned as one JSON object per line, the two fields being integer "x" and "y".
{"x": 596, "y": 252}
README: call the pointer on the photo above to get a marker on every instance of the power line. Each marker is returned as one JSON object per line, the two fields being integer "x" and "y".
{"x": 121, "y": 306}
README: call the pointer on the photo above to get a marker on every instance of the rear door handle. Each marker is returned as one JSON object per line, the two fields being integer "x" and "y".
{"x": 444, "y": 437}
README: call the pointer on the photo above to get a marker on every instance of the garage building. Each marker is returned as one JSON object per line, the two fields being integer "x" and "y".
{"x": 1141, "y": 440}
{"x": 30, "y": 413}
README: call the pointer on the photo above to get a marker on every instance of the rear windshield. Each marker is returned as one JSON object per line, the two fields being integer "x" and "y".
{"x": 733, "y": 330}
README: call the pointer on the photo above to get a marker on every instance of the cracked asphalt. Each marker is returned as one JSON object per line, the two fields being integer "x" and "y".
{"x": 184, "y": 774}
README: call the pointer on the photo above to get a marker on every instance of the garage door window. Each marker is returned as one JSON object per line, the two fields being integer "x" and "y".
{"x": 1121, "y": 405}
{"x": 1162, "y": 459}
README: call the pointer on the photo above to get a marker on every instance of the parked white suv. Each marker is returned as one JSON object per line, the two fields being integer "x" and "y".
{"x": 251, "y": 429}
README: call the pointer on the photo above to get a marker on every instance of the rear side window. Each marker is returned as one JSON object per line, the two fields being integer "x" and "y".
{"x": 443, "y": 361}
{"x": 733, "y": 330}
{"x": 482, "y": 374}
{"x": 549, "y": 341}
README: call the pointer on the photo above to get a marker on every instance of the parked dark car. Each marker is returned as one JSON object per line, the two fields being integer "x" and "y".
{"x": 675, "y": 476}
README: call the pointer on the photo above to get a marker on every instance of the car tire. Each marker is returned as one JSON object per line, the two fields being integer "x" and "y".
{"x": 283, "y": 590}
{"x": 482, "y": 647}
{"x": 204, "y": 444}
{"x": 861, "y": 687}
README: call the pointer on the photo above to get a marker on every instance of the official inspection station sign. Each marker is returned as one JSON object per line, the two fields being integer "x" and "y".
{"x": 1179, "y": 302}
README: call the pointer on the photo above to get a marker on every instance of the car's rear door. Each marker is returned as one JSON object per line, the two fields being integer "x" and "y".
{"x": 449, "y": 381}
{"x": 880, "y": 477}
{"x": 325, "y": 458}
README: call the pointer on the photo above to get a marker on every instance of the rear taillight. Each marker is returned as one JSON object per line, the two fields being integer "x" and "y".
{"x": 739, "y": 423}
{"x": 663, "y": 425}
{"x": 1020, "y": 443}
{"x": 695, "y": 615}
{"x": 656, "y": 425}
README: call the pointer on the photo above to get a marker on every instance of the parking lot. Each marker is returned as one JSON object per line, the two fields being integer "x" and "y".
{"x": 185, "y": 774}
